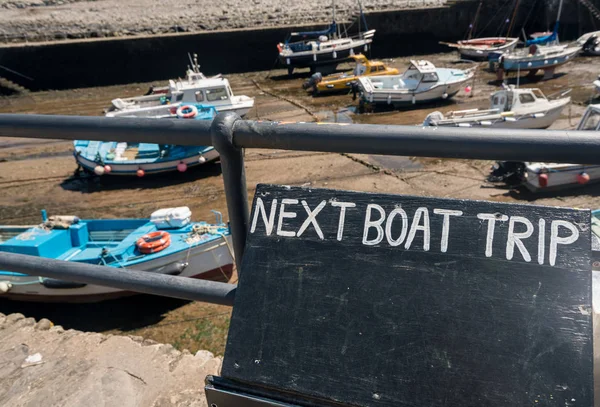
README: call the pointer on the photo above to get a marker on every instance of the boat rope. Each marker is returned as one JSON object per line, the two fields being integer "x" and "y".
{"x": 293, "y": 102}
{"x": 201, "y": 229}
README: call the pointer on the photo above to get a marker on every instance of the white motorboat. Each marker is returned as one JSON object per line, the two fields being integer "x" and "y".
{"x": 196, "y": 88}
{"x": 525, "y": 108}
{"x": 537, "y": 176}
{"x": 422, "y": 82}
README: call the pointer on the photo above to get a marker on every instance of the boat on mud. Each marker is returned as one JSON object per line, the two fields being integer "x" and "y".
{"x": 421, "y": 83}
{"x": 539, "y": 177}
{"x": 543, "y": 52}
{"x": 524, "y": 108}
{"x": 166, "y": 243}
{"x": 139, "y": 159}
{"x": 318, "y": 84}
{"x": 324, "y": 49}
{"x": 480, "y": 48}
{"x": 196, "y": 88}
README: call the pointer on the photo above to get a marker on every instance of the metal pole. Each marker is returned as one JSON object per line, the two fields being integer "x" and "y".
{"x": 146, "y": 130}
{"x": 234, "y": 179}
{"x": 125, "y": 279}
{"x": 561, "y": 146}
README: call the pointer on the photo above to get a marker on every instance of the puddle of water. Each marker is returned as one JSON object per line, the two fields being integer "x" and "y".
{"x": 343, "y": 115}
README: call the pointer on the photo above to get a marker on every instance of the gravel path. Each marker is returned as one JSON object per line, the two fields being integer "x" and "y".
{"x": 58, "y": 19}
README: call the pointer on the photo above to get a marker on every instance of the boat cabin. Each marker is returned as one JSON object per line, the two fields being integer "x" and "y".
{"x": 591, "y": 119}
{"x": 214, "y": 91}
{"x": 510, "y": 99}
{"x": 421, "y": 71}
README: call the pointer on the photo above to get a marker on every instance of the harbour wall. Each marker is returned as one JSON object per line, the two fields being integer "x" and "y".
{"x": 100, "y": 62}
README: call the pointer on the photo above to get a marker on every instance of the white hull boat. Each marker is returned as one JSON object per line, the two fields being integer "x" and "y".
{"x": 421, "y": 83}
{"x": 590, "y": 43}
{"x": 539, "y": 177}
{"x": 510, "y": 108}
{"x": 480, "y": 48}
{"x": 196, "y": 88}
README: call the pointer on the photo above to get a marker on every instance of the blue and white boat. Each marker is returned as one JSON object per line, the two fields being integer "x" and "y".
{"x": 167, "y": 243}
{"x": 541, "y": 53}
{"x": 324, "y": 48}
{"x": 421, "y": 83}
{"x": 122, "y": 158}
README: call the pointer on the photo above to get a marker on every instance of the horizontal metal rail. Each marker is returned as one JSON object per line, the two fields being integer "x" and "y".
{"x": 125, "y": 279}
{"x": 578, "y": 147}
{"x": 229, "y": 134}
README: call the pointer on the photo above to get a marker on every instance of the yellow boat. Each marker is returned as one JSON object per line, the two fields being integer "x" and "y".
{"x": 343, "y": 81}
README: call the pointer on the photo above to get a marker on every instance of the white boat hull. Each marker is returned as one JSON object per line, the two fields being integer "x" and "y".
{"x": 560, "y": 176}
{"x": 400, "y": 98}
{"x": 475, "y": 52}
{"x": 130, "y": 169}
{"x": 211, "y": 261}
{"x": 513, "y": 122}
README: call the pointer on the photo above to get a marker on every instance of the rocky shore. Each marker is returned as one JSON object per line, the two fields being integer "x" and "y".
{"x": 45, "y": 20}
{"x": 46, "y": 365}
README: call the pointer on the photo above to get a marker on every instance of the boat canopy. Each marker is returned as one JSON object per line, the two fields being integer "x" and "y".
{"x": 331, "y": 30}
{"x": 422, "y": 66}
{"x": 544, "y": 39}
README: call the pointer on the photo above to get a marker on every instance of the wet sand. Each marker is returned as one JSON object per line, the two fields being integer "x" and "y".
{"x": 38, "y": 174}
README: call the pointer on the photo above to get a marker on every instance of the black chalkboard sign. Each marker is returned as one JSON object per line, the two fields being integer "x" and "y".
{"x": 382, "y": 300}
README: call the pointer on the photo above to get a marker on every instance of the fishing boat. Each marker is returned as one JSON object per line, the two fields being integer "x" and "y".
{"x": 196, "y": 88}
{"x": 422, "y": 82}
{"x": 480, "y": 48}
{"x": 324, "y": 49}
{"x": 541, "y": 53}
{"x": 319, "y": 84}
{"x": 538, "y": 176}
{"x": 140, "y": 159}
{"x": 525, "y": 108}
{"x": 166, "y": 243}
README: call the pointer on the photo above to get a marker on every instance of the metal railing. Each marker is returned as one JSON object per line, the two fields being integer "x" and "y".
{"x": 230, "y": 135}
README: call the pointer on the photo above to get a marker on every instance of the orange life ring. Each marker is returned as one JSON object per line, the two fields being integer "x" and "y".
{"x": 153, "y": 242}
{"x": 187, "y": 111}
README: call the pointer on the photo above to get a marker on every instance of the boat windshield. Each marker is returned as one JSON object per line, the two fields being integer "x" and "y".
{"x": 590, "y": 121}
{"x": 216, "y": 94}
{"x": 430, "y": 77}
{"x": 526, "y": 98}
{"x": 359, "y": 69}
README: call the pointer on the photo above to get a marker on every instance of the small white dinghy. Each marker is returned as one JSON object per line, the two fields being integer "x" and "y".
{"x": 538, "y": 177}
{"x": 526, "y": 108}
{"x": 196, "y": 88}
{"x": 422, "y": 82}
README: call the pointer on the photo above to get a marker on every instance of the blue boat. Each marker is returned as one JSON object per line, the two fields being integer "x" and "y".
{"x": 121, "y": 158}
{"x": 167, "y": 243}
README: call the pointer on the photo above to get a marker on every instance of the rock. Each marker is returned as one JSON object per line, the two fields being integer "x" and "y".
{"x": 44, "y": 324}
{"x": 12, "y": 318}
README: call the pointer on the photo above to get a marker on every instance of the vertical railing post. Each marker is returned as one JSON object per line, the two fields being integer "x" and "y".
{"x": 234, "y": 178}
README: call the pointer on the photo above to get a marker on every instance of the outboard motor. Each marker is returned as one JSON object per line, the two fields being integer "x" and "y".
{"x": 312, "y": 81}
{"x": 511, "y": 173}
{"x": 589, "y": 47}
{"x": 433, "y": 118}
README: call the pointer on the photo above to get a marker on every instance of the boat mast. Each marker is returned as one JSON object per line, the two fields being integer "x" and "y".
{"x": 512, "y": 20}
{"x": 474, "y": 21}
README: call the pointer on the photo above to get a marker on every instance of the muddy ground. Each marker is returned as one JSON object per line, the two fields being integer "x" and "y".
{"x": 38, "y": 174}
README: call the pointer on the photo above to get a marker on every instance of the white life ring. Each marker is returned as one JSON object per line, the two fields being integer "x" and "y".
{"x": 187, "y": 111}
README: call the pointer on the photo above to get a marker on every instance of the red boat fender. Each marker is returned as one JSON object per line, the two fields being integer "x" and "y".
{"x": 583, "y": 178}
{"x": 543, "y": 180}
{"x": 153, "y": 242}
